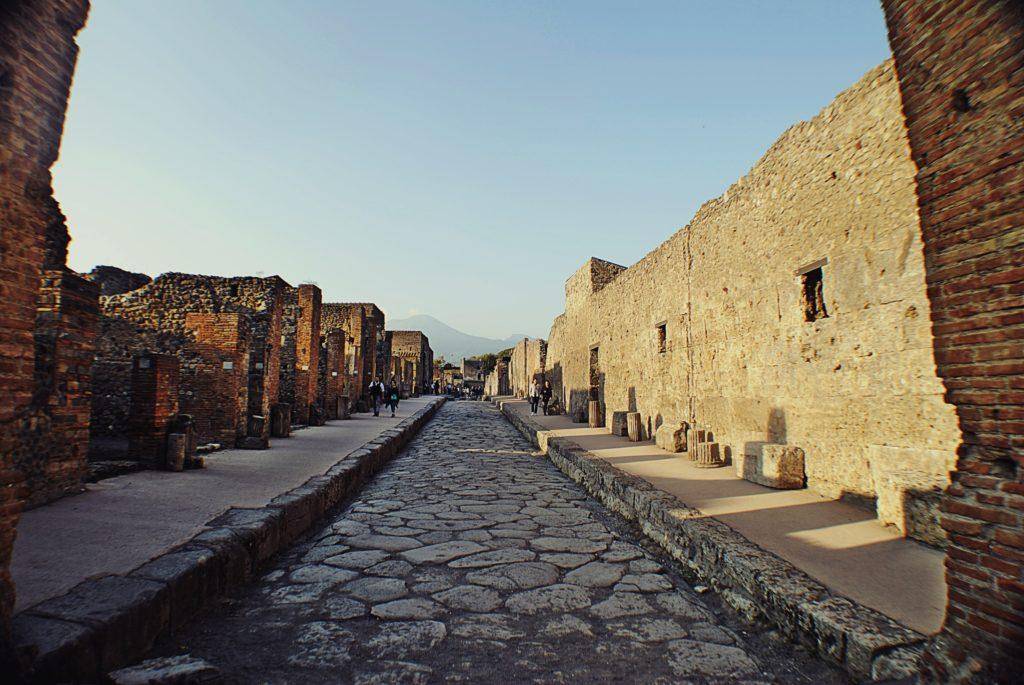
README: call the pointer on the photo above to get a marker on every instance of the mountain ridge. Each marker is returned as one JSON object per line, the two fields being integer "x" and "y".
{"x": 448, "y": 341}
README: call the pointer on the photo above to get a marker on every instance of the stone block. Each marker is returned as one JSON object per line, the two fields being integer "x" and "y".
{"x": 177, "y": 445}
{"x": 58, "y": 651}
{"x": 190, "y": 576}
{"x": 671, "y": 436}
{"x": 127, "y": 615}
{"x": 709, "y": 456}
{"x": 280, "y": 420}
{"x": 778, "y": 466}
{"x": 619, "y": 423}
{"x": 595, "y": 417}
{"x": 172, "y": 670}
{"x": 634, "y": 427}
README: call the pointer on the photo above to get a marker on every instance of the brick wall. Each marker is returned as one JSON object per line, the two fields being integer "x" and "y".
{"x": 37, "y": 59}
{"x": 307, "y": 352}
{"x": 332, "y": 371}
{"x": 215, "y": 379}
{"x": 154, "y": 391}
{"x": 364, "y": 323}
{"x": 961, "y": 76}
{"x": 114, "y": 281}
{"x": 153, "y": 318}
{"x": 65, "y": 336}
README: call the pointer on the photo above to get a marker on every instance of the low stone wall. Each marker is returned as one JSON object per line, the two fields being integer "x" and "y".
{"x": 105, "y": 623}
{"x": 755, "y": 582}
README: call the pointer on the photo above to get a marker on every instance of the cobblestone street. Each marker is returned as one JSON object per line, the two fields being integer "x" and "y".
{"x": 470, "y": 559}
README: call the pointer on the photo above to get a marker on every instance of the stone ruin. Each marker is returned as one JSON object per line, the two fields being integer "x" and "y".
{"x": 786, "y": 314}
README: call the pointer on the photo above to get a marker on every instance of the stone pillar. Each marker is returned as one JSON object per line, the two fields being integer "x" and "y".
{"x": 619, "y": 423}
{"x": 634, "y": 427}
{"x": 307, "y": 351}
{"x": 595, "y": 417}
{"x": 155, "y": 379}
{"x": 216, "y": 378}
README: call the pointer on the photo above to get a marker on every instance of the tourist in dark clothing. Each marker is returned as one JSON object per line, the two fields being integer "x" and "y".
{"x": 393, "y": 393}
{"x": 545, "y": 395}
{"x": 376, "y": 395}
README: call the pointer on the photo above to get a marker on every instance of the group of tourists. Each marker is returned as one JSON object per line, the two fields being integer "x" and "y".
{"x": 538, "y": 394}
{"x": 388, "y": 395}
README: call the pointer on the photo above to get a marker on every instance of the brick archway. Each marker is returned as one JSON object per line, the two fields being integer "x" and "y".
{"x": 960, "y": 65}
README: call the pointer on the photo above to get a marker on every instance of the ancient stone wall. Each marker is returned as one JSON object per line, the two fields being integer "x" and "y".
{"x": 528, "y": 362}
{"x": 790, "y": 310}
{"x": 300, "y": 350}
{"x": 37, "y": 60}
{"x": 961, "y": 67}
{"x": 497, "y": 383}
{"x": 114, "y": 281}
{"x": 153, "y": 318}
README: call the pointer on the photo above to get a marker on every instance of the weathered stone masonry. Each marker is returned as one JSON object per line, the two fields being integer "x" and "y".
{"x": 300, "y": 350}
{"x": 712, "y": 327}
{"x": 414, "y": 347}
{"x": 364, "y": 323}
{"x": 246, "y": 347}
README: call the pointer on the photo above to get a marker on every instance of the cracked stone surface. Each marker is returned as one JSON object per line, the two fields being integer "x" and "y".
{"x": 470, "y": 559}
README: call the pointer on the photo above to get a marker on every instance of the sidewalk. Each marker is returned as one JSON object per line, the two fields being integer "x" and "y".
{"x": 840, "y": 545}
{"x": 122, "y": 522}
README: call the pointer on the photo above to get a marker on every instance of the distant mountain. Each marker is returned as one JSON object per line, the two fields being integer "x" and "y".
{"x": 449, "y": 342}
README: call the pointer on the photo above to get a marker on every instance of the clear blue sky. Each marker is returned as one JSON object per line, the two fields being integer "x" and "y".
{"x": 459, "y": 159}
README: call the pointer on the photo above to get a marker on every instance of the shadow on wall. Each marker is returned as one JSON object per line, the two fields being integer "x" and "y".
{"x": 632, "y": 398}
{"x": 775, "y": 433}
{"x": 557, "y": 391}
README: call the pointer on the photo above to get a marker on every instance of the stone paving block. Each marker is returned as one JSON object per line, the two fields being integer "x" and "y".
{"x": 173, "y": 670}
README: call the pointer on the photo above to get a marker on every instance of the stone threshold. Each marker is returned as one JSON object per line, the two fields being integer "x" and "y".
{"x": 758, "y": 584}
{"x": 105, "y": 623}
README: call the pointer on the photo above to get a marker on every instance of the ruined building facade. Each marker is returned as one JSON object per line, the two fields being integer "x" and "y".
{"x": 413, "y": 348}
{"x": 526, "y": 365}
{"x": 48, "y": 312}
{"x": 364, "y": 323}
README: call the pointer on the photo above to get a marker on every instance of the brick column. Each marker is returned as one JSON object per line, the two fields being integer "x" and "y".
{"x": 217, "y": 379}
{"x": 155, "y": 379}
{"x": 307, "y": 351}
{"x": 961, "y": 71}
{"x": 66, "y": 325}
{"x": 334, "y": 385}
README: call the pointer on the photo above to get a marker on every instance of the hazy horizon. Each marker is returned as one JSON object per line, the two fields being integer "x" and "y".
{"x": 459, "y": 160}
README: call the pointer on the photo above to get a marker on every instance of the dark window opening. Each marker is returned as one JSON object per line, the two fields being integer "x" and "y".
{"x": 234, "y": 290}
{"x": 814, "y": 295}
{"x": 595, "y": 374}
{"x": 662, "y": 338}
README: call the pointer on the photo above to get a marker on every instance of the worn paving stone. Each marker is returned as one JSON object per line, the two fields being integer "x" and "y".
{"x": 595, "y": 574}
{"x": 442, "y": 552}
{"x": 467, "y": 559}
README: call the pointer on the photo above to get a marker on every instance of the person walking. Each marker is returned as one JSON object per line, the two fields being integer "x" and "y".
{"x": 545, "y": 395}
{"x": 376, "y": 395}
{"x": 393, "y": 393}
{"x": 534, "y": 396}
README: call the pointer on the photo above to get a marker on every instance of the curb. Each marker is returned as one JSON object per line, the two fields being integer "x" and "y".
{"x": 757, "y": 583}
{"x": 104, "y": 623}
